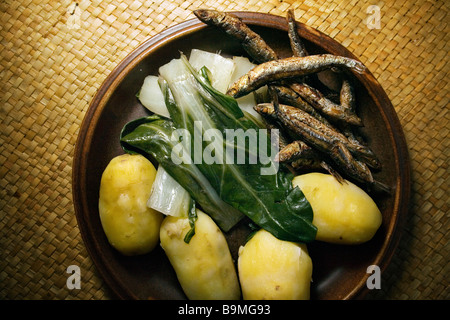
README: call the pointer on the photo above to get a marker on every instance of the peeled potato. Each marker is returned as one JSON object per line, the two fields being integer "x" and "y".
{"x": 130, "y": 226}
{"x": 343, "y": 213}
{"x": 272, "y": 269}
{"x": 203, "y": 266}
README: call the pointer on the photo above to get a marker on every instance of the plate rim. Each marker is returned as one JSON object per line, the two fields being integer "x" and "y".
{"x": 185, "y": 28}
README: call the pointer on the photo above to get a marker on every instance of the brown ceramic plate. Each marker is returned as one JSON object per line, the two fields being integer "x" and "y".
{"x": 340, "y": 272}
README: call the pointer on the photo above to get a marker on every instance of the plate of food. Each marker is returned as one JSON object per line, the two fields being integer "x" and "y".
{"x": 240, "y": 156}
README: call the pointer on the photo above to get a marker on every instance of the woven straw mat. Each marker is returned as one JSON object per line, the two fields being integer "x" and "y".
{"x": 52, "y": 65}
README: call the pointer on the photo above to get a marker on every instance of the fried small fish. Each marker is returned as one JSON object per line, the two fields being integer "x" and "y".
{"x": 331, "y": 144}
{"x": 355, "y": 169}
{"x": 290, "y": 97}
{"x": 252, "y": 42}
{"x": 301, "y": 122}
{"x": 347, "y": 95}
{"x": 297, "y": 46}
{"x": 303, "y": 157}
{"x": 348, "y": 102}
{"x": 290, "y": 67}
{"x": 295, "y": 150}
{"x": 327, "y": 107}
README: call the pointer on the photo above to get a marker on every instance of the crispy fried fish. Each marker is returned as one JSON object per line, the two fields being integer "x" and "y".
{"x": 295, "y": 150}
{"x": 274, "y": 70}
{"x": 303, "y": 157}
{"x": 252, "y": 43}
{"x": 333, "y": 145}
{"x": 324, "y": 136}
{"x": 355, "y": 169}
{"x": 348, "y": 102}
{"x": 290, "y": 97}
{"x": 297, "y": 46}
{"x": 347, "y": 95}
{"x": 334, "y": 111}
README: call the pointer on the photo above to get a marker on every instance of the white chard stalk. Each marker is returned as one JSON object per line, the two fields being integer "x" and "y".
{"x": 168, "y": 196}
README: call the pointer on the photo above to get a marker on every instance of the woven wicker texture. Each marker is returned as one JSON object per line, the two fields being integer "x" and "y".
{"x": 56, "y": 54}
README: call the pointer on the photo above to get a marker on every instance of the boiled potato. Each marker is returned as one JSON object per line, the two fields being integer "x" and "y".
{"x": 343, "y": 213}
{"x": 130, "y": 226}
{"x": 204, "y": 266}
{"x": 272, "y": 269}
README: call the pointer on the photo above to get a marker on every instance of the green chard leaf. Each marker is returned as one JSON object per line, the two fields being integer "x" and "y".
{"x": 230, "y": 170}
{"x": 151, "y": 136}
{"x": 192, "y": 215}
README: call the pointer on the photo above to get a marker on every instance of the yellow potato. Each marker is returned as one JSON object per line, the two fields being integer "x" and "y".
{"x": 343, "y": 213}
{"x": 130, "y": 226}
{"x": 272, "y": 269}
{"x": 204, "y": 266}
